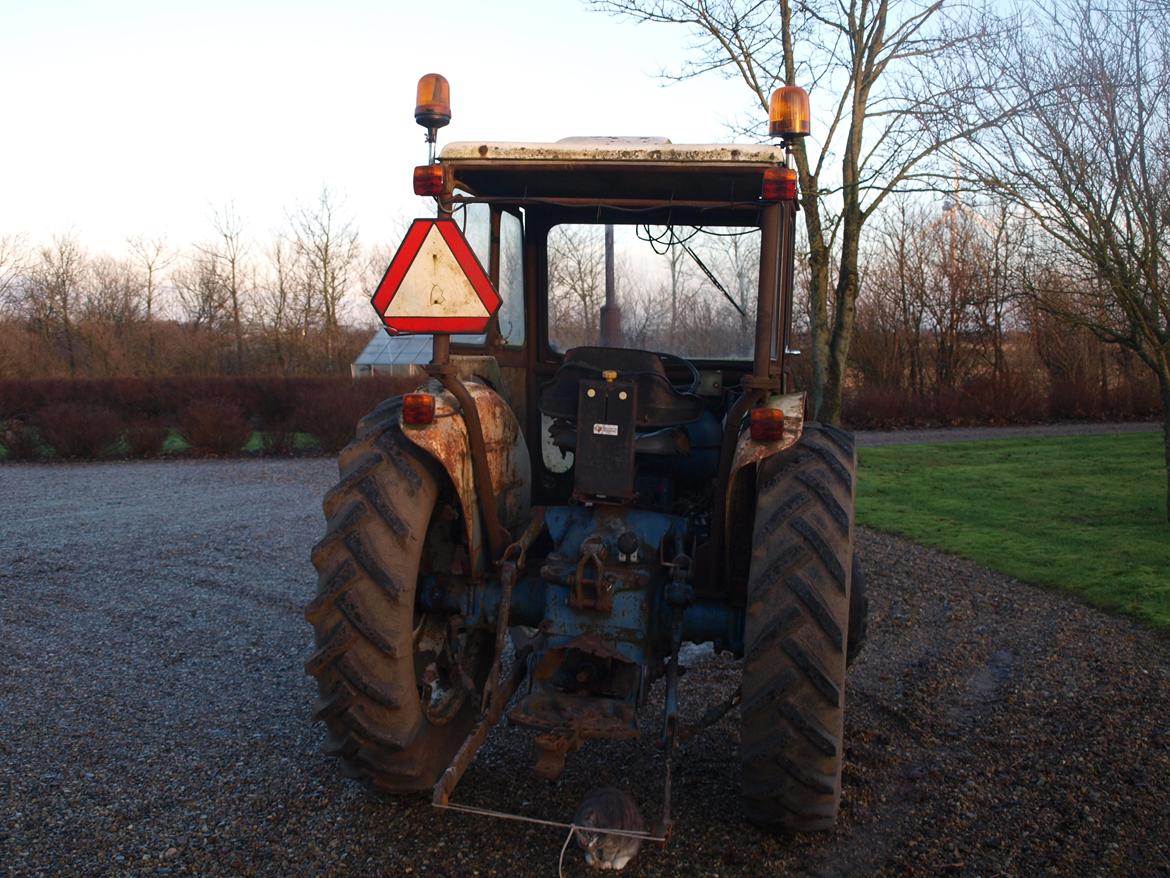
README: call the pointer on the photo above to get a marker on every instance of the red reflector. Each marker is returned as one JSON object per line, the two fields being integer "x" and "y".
{"x": 767, "y": 424}
{"x": 418, "y": 409}
{"x": 779, "y": 184}
{"x": 428, "y": 180}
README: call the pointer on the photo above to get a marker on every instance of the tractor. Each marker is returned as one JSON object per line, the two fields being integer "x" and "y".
{"x": 564, "y": 502}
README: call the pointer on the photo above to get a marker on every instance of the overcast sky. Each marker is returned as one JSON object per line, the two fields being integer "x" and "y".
{"x": 133, "y": 117}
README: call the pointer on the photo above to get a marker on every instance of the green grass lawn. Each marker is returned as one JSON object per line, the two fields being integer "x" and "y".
{"x": 1086, "y": 514}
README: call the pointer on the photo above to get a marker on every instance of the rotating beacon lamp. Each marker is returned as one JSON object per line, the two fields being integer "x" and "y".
{"x": 432, "y": 110}
{"x": 788, "y": 119}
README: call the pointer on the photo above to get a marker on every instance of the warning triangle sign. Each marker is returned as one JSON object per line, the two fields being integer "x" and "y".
{"x": 435, "y": 283}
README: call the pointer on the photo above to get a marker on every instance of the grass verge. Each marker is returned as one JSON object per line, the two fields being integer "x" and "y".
{"x": 1085, "y": 513}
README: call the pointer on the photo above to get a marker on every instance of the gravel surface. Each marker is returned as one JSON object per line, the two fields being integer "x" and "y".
{"x": 1032, "y": 431}
{"x": 154, "y": 713}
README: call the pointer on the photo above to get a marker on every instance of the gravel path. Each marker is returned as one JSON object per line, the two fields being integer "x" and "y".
{"x": 1032, "y": 431}
{"x": 154, "y": 714}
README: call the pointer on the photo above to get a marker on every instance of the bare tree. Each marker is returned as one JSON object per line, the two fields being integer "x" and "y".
{"x": 870, "y": 59}
{"x": 152, "y": 256}
{"x": 899, "y": 287}
{"x": 226, "y": 258}
{"x": 736, "y": 259}
{"x": 576, "y": 284}
{"x": 679, "y": 294}
{"x": 13, "y": 264}
{"x": 276, "y": 303}
{"x": 199, "y": 291}
{"x": 54, "y": 293}
{"x": 1089, "y": 163}
{"x": 329, "y": 259}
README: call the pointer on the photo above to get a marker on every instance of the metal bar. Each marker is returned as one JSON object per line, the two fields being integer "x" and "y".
{"x": 493, "y": 330}
{"x": 787, "y": 279}
{"x": 514, "y": 557}
{"x": 731, "y": 427}
{"x": 615, "y": 203}
{"x": 485, "y": 492}
{"x": 670, "y": 715}
{"x": 611, "y": 319}
{"x": 441, "y": 792}
{"x": 491, "y": 687}
{"x": 761, "y": 379}
{"x": 479, "y": 603}
{"x": 768, "y": 289}
{"x": 440, "y": 349}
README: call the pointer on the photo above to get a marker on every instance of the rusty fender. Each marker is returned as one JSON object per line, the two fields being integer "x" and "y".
{"x": 445, "y": 439}
{"x": 749, "y": 452}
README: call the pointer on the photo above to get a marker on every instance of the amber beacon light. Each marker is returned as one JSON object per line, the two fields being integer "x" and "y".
{"x": 788, "y": 112}
{"x": 432, "y": 107}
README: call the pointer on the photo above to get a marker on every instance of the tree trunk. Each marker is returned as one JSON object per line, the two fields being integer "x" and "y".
{"x": 819, "y": 324}
{"x": 838, "y": 353}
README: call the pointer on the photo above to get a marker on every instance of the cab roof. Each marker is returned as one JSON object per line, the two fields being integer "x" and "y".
{"x": 614, "y": 149}
{"x": 609, "y": 168}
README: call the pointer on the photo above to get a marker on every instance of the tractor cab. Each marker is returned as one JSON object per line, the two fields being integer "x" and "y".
{"x": 666, "y": 264}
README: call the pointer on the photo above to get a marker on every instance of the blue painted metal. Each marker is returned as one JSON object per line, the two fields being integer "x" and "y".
{"x": 479, "y": 603}
{"x": 569, "y": 526}
{"x": 629, "y": 627}
{"x": 640, "y": 622}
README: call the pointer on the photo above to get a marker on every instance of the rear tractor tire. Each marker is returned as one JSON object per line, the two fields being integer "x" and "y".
{"x": 394, "y": 682}
{"x": 796, "y": 631}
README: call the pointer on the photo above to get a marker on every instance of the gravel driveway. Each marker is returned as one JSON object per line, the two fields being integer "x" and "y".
{"x": 154, "y": 713}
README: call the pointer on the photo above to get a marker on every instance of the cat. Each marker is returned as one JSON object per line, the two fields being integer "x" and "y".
{"x": 609, "y": 808}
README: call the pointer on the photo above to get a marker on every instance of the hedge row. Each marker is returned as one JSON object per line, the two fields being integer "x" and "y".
{"x": 89, "y": 418}
{"x": 1011, "y": 399}
{"x": 96, "y": 418}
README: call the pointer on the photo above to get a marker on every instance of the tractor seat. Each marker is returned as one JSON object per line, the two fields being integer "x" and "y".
{"x": 659, "y": 403}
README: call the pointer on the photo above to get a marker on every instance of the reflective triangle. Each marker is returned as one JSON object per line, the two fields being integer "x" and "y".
{"x": 435, "y": 286}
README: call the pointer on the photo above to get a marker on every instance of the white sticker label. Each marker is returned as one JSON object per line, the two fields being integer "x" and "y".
{"x": 605, "y": 429}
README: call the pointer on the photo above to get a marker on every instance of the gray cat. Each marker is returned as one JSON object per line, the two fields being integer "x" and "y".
{"x": 609, "y": 808}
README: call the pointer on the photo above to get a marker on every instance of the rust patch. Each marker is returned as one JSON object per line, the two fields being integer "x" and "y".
{"x": 445, "y": 439}
{"x": 577, "y": 715}
{"x": 749, "y": 452}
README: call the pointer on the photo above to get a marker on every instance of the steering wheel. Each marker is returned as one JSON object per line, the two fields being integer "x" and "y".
{"x": 696, "y": 378}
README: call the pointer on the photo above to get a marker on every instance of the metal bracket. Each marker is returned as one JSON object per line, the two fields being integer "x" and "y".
{"x": 593, "y": 554}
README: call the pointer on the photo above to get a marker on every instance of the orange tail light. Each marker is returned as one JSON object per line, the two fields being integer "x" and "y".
{"x": 767, "y": 425}
{"x": 418, "y": 409}
{"x": 428, "y": 180}
{"x": 779, "y": 184}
